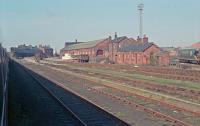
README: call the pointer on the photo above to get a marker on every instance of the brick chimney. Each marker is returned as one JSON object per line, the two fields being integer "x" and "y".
{"x": 115, "y": 35}
{"x": 110, "y": 37}
{"x": 139, "y": 39}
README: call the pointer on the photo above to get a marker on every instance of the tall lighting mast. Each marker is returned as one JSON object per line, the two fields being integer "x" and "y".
{"x": 141, "y": 8}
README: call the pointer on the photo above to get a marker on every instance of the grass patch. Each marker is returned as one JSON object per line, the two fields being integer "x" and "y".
{"x": 162, "y": 81}
{"x": 156, "y": 80}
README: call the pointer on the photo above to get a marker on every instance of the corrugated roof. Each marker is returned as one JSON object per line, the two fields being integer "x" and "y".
{"x": 135, "y": 47}
{"x": 83, "y": 45}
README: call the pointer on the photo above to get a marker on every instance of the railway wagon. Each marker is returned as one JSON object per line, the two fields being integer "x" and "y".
{"x": 189, "y": 55}
{"x": 24, "y": 52}
{"x": 82, "y": 58}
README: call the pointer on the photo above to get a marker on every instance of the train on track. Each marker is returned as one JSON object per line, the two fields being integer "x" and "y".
{"x": 189, "y": 55}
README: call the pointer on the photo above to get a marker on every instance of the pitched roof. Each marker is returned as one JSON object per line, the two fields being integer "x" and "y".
{"x": 135, "y": 47}
{"x": 161, "y": 53}
{"x": 83, "y": 45}
{"x": 119, "y": 39}
{"x": 133, "y": 40}
{"x": 196, "y": 45}
{"x": 70, "y": 43}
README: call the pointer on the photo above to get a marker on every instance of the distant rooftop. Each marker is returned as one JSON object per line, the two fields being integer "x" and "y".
{"x": 119, "y": 39}
{"x": 135, "y": 47}
{"x": 196, "y": 45}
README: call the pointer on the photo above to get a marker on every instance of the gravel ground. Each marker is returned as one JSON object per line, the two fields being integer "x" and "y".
{"x": 125, "y": 112}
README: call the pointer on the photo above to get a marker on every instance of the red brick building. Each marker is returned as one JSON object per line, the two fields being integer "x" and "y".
{"x": 97, "y": 48}
{"x": 121, "y": 50}
{"x": 162, "y": 58}
{"x": 196, "y": 45}
{"x": 139, "y": 53}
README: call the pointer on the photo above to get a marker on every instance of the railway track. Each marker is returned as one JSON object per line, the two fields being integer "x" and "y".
{"x": 189, "y": 94}
{"x": 134, "y": 100}
{"x": 187, "y": 76}
{"x": 167, "y": 73}
{"x": 181, "y": 92}
{"x": 144, "y": 108}
{"x": 34, "y": 106}
{"x": 83, "y": 111}
{"x": 147, "y": 109}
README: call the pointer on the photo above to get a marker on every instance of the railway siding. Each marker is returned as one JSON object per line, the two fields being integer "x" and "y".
{"x": 120, "y": 73}
{"x": 183, "y": 93}
{"x": 127, "y": 87}
{"x": 160, "y": 72}
{"x": 190, "y": 118}
{"x": 87, "y": 112}
{"x": 172, "y": 100}
{"x": 135, "y": 120}
{"x": 105, "y": 83}
{"x": 30, "y": 104}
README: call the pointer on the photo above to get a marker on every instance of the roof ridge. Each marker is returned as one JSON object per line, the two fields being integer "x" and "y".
{"x": 136, "y": 47}
{"x": 119, "y": 39}
{"x": 82, "y": 45}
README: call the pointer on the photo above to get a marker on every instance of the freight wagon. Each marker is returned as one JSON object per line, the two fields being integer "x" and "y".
{"x": 24, "y": 52}
{"x": 81, "y": 58}
{"x": 189, "y": 55}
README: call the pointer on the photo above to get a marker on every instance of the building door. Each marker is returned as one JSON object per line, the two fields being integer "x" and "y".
{"x": 152, "y": 59}
{"x": 122, "y": 58}
{"x": 99, "y": 53}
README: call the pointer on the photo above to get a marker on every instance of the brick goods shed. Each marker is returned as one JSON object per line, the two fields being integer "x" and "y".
{"x": 94, "y": 49}
{"x": 122, "y": 50}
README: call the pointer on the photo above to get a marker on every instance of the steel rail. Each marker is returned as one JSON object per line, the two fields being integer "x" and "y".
{"x": 145, "y": 109}
{"x": 192, "y": 91}
{"x": 148, "y": 110}
{"x": 94, "y": 79}
{"x": 155, "y": 100}
{"x": 55, "y": 97}
{"x": 155, "y": 113}
{"x": 81, "y": 97}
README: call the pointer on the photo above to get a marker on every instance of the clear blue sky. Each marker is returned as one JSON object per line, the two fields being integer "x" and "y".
{"x": 52, "y": 22}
